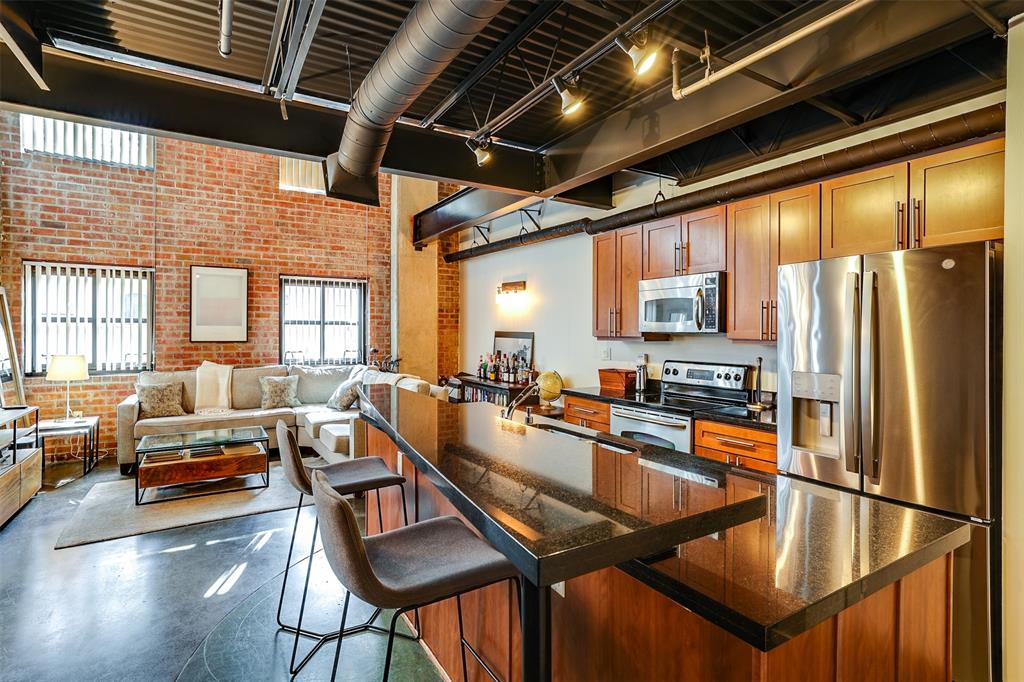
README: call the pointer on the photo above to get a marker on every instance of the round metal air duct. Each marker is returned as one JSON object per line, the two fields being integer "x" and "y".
{"x": 433, "y": 34}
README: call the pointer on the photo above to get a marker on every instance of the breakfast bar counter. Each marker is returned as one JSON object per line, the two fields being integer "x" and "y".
{"x": 663, "y": 564}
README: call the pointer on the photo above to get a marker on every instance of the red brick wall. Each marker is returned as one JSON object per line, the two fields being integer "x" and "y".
{"x": 448, "y": 298}
{"x": 201, "y": 205}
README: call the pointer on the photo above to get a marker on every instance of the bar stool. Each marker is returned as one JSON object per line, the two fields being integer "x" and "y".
{"x": 363, "y": 474}
{"x": 407, "y": 568}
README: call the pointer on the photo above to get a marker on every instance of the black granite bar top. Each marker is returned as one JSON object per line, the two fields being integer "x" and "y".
{"x": 537, "y": 492}
{"x": 530, "y": 492}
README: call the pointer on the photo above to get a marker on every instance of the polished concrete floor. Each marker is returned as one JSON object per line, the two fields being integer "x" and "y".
{"x": 197, "y": 602}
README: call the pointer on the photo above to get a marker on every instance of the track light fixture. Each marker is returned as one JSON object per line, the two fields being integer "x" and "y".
{"x": 572, "y": 100}
{"x": 641, "y": 53}
{"x": 480, "y": 150}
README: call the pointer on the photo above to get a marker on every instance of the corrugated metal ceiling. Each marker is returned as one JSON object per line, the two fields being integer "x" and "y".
{"x": 352, "y": 33}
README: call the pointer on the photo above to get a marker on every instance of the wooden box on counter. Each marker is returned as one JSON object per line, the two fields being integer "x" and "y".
{"x": 618, "y": 380}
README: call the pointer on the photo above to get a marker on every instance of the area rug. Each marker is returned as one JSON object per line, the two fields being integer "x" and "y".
{"x": 108, "y": 510}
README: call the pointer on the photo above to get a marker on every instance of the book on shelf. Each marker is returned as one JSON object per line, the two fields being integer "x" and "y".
{"x": 204, "y": 451}
{"x": 243, "y": 449}
{"x": 169, "y": 456}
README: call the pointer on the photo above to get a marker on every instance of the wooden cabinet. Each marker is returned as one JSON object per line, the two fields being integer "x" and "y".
{"x": 957, "y": 196}
{"x": 618, "y": 268}
{"x": 604, "y": 473}
{"x": 19, "y": 482}
{"x": 616, "y": 479}
{"x": 704, "y": 234}
{"x": 685, "y": 245}
{"x": 592, "y": 414}
{"x": 736, "y": 445}
{"x": 864, "y": 212}
{"x": 606, "y": 281}
{"x": 663, "y": 242}
{"x": 750, "y": 545}
{"x": 750, "y": 277}
{"x": 661, "y": 496}
{"x": 796, "y": 224}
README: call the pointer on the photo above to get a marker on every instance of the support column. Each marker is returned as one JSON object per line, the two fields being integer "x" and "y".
{"x": 413, "y": 281}
{"x": 1013, "y": 362}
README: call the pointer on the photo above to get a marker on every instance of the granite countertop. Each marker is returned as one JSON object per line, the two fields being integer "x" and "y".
{"x": 739, "y": 416}
{"x": 806, "y": 554}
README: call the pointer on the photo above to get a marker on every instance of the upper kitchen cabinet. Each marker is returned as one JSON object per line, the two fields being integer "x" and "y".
{"x": 750, "y": 274}
{"x": 663, "y": 243}
{"x": 796, "y": 224}
{"x": 618, "y": 267}
{"x": 705, "y": 236}
{"x": 864, "y": 212}
{"x": 957, "y": 196}
{"x": 685, "y": 245}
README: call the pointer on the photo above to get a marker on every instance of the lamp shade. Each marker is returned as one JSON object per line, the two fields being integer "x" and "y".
{"x": 67, "y": 368}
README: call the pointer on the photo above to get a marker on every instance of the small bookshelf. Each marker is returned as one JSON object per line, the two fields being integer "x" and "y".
{"x": 477, "y": 390}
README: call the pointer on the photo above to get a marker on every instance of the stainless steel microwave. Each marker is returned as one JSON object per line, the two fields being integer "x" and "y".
{"x": 688, "y": 304}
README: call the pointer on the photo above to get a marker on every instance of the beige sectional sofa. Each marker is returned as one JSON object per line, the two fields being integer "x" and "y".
{"x": 333, "y": 434}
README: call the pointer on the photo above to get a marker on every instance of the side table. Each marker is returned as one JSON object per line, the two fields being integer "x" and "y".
{"x": 89, "y": 427}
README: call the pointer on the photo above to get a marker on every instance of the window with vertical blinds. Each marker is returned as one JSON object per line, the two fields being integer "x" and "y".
{"x": 323, "y": 321}
{"x": 300, "y": 175}
{"x": 87, "y": 142}
{"x": 102, "y": 312}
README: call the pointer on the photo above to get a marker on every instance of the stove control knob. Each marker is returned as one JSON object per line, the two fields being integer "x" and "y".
{"x": 719, "y": 375}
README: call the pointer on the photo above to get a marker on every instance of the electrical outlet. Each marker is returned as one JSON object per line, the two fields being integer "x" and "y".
{"x": 606, "y": 353}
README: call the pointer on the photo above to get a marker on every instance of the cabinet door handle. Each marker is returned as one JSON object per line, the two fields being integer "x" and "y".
{"x": 915, "y": 222}
{"x": 739, "y": 461}
{"x": 584, "y": 410}
{"x": 617, "y": 319}
{"x": 737, "y": 443}
{"x": 676, "y": 267}
{"x": 684, "y": 249}
{"x": 764, "y": 310}
{"x": 773, "y": 317}
{"x": 611, "y": 324}
{"x": 899, "y": 224}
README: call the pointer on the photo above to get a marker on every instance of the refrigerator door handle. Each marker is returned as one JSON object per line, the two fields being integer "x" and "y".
{"x": 868, "y": 388}
{"x": 848, "y": 432}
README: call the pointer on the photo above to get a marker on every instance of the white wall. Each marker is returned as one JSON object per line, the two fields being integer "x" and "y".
{"x": 1013, "y": 365}
{"x": 559, "y": 284}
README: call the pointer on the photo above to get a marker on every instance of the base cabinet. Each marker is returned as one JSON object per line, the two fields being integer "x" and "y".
{"x": 611, "y": 626}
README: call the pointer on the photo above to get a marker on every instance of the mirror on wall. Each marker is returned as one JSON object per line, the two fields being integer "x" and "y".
{"x": 13, "y": 392}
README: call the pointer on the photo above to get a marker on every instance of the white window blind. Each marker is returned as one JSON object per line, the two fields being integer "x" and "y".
{"x": 104, "y": 313}
{"x": 300, "y": 175}
{"x": 323, "y": 321}
{"x": 87, "y": 142}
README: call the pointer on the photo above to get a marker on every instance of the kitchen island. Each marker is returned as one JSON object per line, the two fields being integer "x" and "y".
{"x": 674, "y": 566}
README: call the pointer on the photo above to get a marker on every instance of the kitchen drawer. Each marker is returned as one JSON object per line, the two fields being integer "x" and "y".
{"x": 736, "y": 440}
{"x": 588, "y": 423}
{"x": 588, "y": 411}
{"x": 743, "y": 461}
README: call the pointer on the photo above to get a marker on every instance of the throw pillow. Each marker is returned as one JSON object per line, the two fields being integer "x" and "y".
{"x": 159, "y": 400}
{"x": 345, "y": 396}
{"x": 279, "y": 392}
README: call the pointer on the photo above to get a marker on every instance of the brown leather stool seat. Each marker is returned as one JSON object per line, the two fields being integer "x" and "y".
{"x": 406, "y": 568}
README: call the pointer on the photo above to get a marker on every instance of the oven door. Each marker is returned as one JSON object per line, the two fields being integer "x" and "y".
{"x": 665, "y": 430}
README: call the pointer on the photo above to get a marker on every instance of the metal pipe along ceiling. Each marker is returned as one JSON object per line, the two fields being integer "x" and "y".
{"x": 433, "y": 34}
{"x": 950, "y": 131}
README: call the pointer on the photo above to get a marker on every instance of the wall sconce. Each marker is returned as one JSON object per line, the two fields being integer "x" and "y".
{"x": 510, "y": 293}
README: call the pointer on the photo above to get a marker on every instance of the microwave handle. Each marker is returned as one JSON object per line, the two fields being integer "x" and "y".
{"x": 699, "y": 309}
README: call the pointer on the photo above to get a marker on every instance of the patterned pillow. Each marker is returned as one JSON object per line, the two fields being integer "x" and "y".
{"x": 279, "y": 392}
{"x": 345, "y": 396}
{"x": 159, "y": 400}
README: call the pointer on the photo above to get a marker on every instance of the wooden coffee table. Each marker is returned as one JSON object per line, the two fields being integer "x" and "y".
{"x": 151, "y": 471}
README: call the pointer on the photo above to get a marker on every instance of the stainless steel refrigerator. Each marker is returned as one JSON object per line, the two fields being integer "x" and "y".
{"x": 889, "y": 383}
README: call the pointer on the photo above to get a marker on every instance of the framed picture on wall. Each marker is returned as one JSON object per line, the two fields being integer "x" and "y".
{"x": 219, "y": 308}
{"x": 515, "y": 344}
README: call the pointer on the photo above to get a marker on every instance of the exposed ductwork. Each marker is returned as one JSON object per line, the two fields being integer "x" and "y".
{"x": 968, "y": 126}
{"x": 227, "y": 14}
{"x": 433, "y": 34}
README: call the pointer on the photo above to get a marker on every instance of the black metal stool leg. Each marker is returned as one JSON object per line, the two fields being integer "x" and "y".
{"x": 380, "y": 514}
{"x": 341, "y": 636}
{"x": 462, "y": 638}
{"x": 302, "y": 606}
{"x": 288, "y": 562}
{"x": 391, "y": 644}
